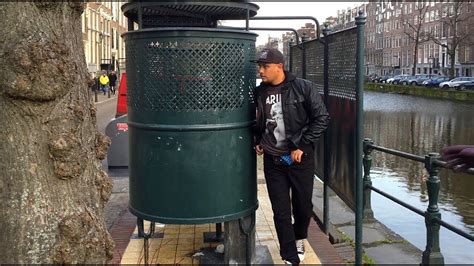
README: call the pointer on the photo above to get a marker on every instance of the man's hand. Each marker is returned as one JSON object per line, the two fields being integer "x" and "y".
{"x": 296, "y": 155}
{"x": 258, "y": 149}
{"x": 459, "y": 157}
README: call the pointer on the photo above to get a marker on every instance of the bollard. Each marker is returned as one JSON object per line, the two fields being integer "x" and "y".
{"x": 96, "y": 91}
{"x": 368, "y": 214}
{"x": 432, "y": 253}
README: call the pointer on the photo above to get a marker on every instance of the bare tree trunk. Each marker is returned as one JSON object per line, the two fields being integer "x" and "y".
{"x": 52, "y": 189}
{"x": 415, "y": 59}
{"x": 452, "y": 57}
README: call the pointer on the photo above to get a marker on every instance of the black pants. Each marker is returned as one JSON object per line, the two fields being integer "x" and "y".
{"x": 280, "y": 179}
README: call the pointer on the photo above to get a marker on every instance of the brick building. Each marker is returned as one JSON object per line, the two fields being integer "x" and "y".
{"x": 389, "y": 49}
{"x": 102, "y": 26}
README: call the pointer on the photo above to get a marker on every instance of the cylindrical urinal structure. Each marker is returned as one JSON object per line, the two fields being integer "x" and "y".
{"x": 190, "y": 115}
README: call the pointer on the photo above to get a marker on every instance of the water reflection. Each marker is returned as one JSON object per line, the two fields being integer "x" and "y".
{"x": 419, "y": 126}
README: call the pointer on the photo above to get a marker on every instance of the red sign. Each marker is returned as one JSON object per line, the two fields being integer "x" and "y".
{"x": 122, "y": 126}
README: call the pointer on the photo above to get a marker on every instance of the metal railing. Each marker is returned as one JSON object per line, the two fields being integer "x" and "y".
{"x": 432, "y": 254}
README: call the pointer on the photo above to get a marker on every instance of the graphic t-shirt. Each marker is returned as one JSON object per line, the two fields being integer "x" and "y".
{"x": 274, "y": 140}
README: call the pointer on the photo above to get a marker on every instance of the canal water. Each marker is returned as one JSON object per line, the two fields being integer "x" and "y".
{"x": 419, "y": 126}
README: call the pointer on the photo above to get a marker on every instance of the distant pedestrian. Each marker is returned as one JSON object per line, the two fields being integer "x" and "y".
{"x": 104, "y": 82}
{"x": 459, "y": 157}
{"x": 112, "y": 81}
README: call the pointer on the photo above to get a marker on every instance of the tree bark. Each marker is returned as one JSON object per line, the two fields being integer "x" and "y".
{"x": 415, "y": 59}
{"x": 452, "y": 57}
{"x": 52, "y": 188}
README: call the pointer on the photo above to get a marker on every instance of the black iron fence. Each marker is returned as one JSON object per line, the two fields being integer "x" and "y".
{"x": 335, "y": 65}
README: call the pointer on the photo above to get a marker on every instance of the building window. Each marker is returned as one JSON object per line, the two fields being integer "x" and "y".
{"x": 114, "y": 10}
{"x": 113, "y": 38}
{"x": 445, "y": 11}
{"x": 83, "y": 23}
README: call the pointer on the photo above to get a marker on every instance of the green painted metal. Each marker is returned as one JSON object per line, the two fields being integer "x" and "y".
{"x": 327, "y": 133}
{"x": 368, "y": 214}
{"x": 433, "y": 164}
{"x": 360, "y": 22}
{"x": 190, "y": 112}
{"x": 150, "y": 14}
{"x": 432, "y": 253}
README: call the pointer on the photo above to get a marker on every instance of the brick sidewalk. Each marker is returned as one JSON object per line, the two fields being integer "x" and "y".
{"x": 167, "y": 248}
{"x": 101, "y": 97}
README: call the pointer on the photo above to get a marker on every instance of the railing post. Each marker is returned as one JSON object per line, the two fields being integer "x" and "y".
{"x": 432, "y": 253}
{"x": 290, "y": 57}
{"x": 367, "y": 161}
{"x": 304, "y": 39}
{"x": 327, "y": 134}
{"x": 360, "y": 22}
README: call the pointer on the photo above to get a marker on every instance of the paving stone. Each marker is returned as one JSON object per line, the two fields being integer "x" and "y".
{"x": 369, "y": 235}
{"x": 393, "y": 253}
{"x": 176, "y": 237}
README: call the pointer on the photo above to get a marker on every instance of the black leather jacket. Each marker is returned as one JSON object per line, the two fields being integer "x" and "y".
{"x": 304, "y": 113}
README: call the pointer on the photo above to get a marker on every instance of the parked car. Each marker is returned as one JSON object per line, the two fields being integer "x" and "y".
{"x": 464, "y": 86}
{"x": 418, "y": 79}
{"x": 453, "y": 82}
{"x": 371, "y": 77}
{"x": 403, "y": 80}
{"x": 396, "y": 79}
{"x": 383, "y": 79}
{"x": 434, "y": 82}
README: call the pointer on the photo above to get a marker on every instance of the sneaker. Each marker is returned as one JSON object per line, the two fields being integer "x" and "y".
{"x": 287, "y": 262}
{"x": 300, "y": 248}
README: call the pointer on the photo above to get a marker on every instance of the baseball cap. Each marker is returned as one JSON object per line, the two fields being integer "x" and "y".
{"x": 270, "y": 56}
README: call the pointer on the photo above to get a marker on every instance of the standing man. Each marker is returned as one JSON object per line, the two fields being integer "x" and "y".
{"x": 290, "y": 118}
{"x": 112, "y": 81}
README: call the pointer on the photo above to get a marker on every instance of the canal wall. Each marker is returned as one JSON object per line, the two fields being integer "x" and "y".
{"x": 437, "y": 93}
{"x": 380, "y": 244}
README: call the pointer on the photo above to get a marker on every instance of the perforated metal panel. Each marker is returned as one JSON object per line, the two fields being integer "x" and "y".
{"x": 315, "y": 64}
{"x": 342, "y": 64}
{"x": 297, "y": 61}
{"x": 341, "y": 105}
{"x": 190, "y": 75}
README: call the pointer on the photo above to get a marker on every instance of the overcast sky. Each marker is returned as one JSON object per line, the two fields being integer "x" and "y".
{"x": 319, "y": 10}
